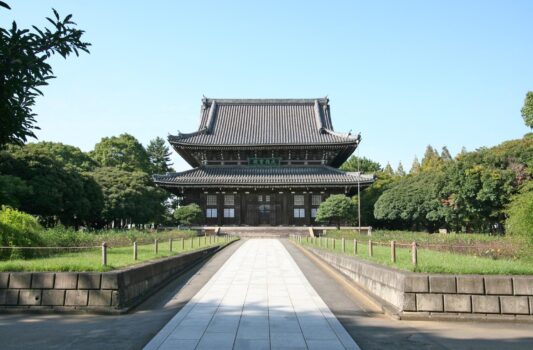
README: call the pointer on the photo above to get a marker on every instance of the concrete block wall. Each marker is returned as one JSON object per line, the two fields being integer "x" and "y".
{"x": 477, "y": 294}
{"x": 114, "y": 291}
{"x": 412, "y": 294}
{"x": 384, "y": 283}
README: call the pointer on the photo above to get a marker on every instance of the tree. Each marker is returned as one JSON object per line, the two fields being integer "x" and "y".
{"x": 474, "y": 196}
{"x": 337, "y": 209}
{"x": 431, "y": 160}
{"x": 123, "y": 152}
{"x": 129, "y": 197}
{"x": 399, "y": 171}
{"x": 445, "y": 154}
{"x": 159, "y": 155}
{"x": 55, "y": 193}
{"x": 388, "y": 170}
{"x": 12, "y": 189}
{"x": 71, "y": 157}
{"x": 412, "y": 202}
{"x": 370, "y": 195}
{"x": 24, "y": 69}
{"x": 527, "y": 110}
{"x": 365, "y": 165}
{"x": 189, "y": 214}
{"x": 415, "y": 167}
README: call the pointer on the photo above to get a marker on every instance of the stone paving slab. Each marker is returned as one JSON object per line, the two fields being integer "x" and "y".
{"x": 259, "y": 299}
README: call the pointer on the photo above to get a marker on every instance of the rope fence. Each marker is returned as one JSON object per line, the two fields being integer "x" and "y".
{"x": 171, "y": 245}
{"x": 357, "y": 247}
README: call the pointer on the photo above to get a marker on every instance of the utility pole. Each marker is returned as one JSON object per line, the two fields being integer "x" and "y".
{"x": 359, "y": 186}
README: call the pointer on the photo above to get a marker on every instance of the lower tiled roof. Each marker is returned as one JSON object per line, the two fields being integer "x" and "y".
{"x": 257, "y": 176}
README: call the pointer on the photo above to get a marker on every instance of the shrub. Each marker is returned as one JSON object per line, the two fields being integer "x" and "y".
{"x": 18, "y": 229}
{"x": 520, "y": 213}
{"x": 189, "y": 214}
{"x": 337, "y": 209}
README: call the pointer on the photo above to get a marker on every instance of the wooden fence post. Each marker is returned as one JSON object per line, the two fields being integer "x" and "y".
{"x": 170, "y": 244}
{"x": 135, "y": 250}
{"x": 414, "y": 255}
{"x": 370, "y": 252}
{"x": 156, "y": 246}
{"x": 104, "y": 254}
{"x": 393, "y": 251}
{"x": 355, "y": 247}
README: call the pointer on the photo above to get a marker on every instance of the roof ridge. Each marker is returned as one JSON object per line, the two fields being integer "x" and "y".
{"x": 322, "y": 100}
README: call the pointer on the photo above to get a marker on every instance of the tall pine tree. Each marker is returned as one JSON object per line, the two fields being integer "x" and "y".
{"x": 388, "y": 170}
{"x": 445, "y": 154}
{"x": 415, "y": 168}
{"x": 399, "y": 170}
{"x": 431, "y": 160}
{"x": 159, "y": 155}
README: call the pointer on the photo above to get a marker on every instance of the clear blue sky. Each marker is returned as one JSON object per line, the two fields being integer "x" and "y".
{"x": 403, "y": 73}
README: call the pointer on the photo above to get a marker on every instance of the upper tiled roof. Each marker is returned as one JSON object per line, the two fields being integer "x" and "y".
{"x": 257, "y": 176}
{"x": 229, "y": 122}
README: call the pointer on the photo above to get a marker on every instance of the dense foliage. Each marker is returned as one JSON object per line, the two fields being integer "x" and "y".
{"x": 17, "y": 229}
{"x": 48, "y": 188}
{"x": 362, "y": 164}
{"x": 412, "y": 202}
{"x": 520, "y": 212}
{"x": 129, "y": 197}
{"x": 123, "y": 152}
{"x": 468, "y": 193}
{"x": 24, "y": 69}
{"x": 63, "y": 185}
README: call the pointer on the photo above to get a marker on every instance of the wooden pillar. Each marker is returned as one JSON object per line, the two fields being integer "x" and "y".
{"x": 220, "y": 209}
{"x": 307, "y": 202}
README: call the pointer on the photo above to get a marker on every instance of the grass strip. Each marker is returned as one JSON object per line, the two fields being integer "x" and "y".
{"x": 117, "y": 257}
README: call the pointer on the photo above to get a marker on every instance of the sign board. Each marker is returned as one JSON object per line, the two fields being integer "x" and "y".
{"x": 266, "y": 162}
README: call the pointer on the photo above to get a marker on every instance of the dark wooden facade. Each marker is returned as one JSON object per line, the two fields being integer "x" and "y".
{"x": 257, "y": 207}
{"x": 263, "y": 162}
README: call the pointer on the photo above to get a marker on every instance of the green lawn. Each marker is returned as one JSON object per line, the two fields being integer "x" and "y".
{"x": 429, "y": 260}
{"x": 117, "y": 257}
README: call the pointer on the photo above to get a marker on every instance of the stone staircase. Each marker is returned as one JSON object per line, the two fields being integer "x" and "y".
{"x": 264, "y": 231}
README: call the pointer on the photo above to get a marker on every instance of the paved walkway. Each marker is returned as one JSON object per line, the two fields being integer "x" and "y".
{"x": 259, "y": 299}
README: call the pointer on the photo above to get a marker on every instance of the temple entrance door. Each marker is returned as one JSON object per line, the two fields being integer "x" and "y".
{"x": 264, "y": 214}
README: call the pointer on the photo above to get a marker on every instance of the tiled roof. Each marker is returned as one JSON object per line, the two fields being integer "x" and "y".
{"x": 258, "y": 176}
{"x": 264, "y": 122}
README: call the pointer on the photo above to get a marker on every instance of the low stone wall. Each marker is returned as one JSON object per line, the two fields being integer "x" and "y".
{"x": 422, "y": 295}
{"x": 108, "y": 292}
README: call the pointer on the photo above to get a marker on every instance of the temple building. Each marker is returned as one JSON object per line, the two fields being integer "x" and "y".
{"x": 263, "y": 161}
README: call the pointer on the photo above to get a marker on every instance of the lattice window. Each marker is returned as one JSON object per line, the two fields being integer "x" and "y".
{"x": 229, "y": 199}
{"x": 211, "y": 213}
{"x": 316, "y": 199}
{"x": 267, "y": 198}
{"x": 229, "y": 212}
{"x": 299, "y": 213}
{"x": 313, "y": 212}
{"x": 298, "y": 199}
{"x": 211, "y": 200}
